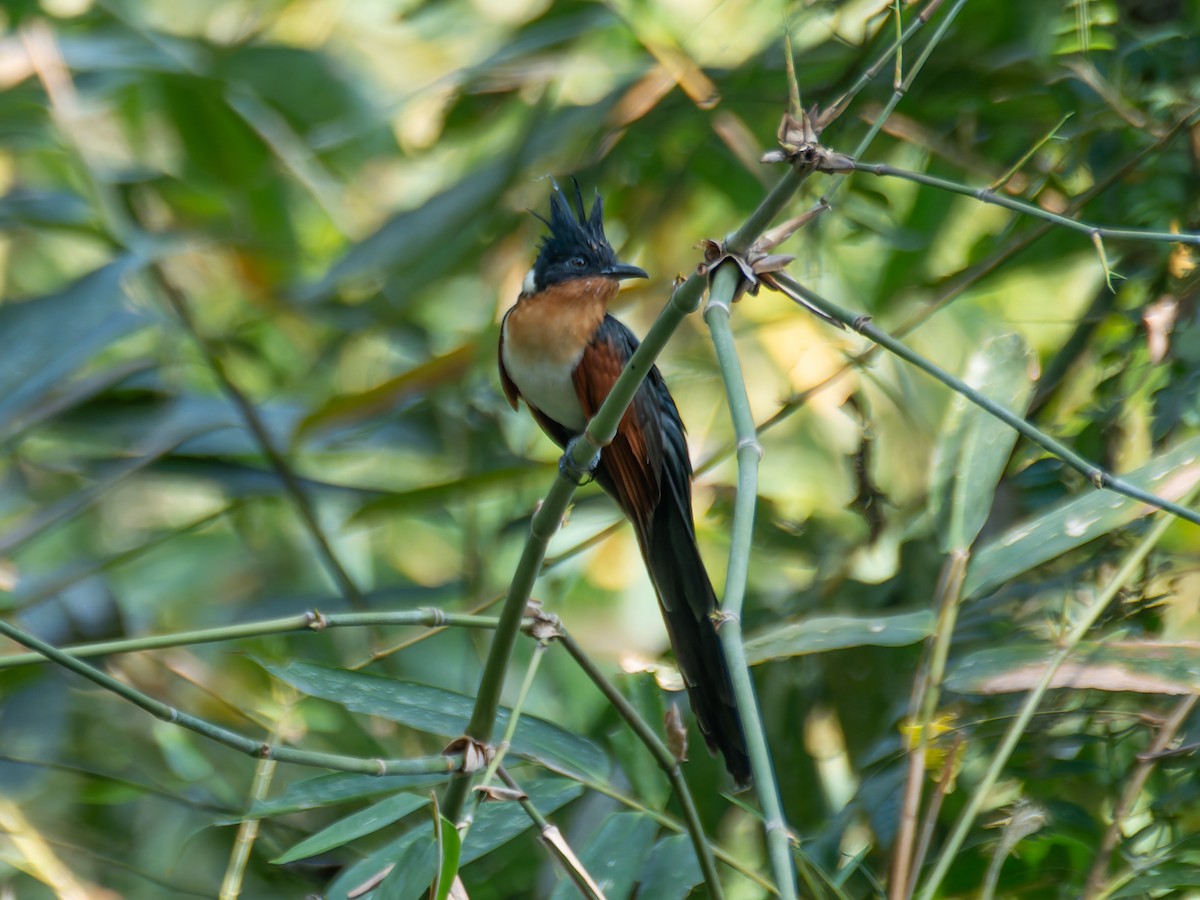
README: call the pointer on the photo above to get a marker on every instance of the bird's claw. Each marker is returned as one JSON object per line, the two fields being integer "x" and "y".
{"x": 568, "y": 468}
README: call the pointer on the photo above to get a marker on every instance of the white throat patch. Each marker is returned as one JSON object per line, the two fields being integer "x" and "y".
{"x": 529, "y": 283}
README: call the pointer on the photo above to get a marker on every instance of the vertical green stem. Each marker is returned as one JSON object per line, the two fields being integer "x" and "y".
{"x": 749, "y": 452}
{"x": 949, "y": 594}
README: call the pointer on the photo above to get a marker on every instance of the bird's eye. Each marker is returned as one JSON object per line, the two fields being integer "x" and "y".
{"x": 578, "y": 262}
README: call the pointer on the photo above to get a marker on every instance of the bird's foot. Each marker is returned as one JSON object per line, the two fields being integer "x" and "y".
{"x": 569, "y": 469}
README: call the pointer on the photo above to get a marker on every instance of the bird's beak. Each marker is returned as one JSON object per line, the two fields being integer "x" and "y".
{"x": 621, "y": 270}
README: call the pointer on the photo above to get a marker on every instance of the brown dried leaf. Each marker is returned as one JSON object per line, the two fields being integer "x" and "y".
{"x": 1159, "y": 319}
{"x": 475, "y": 754}
{"x": 677, "y": 739}
{"x": 500, "y": 793}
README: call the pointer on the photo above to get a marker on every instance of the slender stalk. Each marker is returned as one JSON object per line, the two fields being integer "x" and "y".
{"x": 901, "y": 87}
{"x": 254, "y": 424}
{"x": 557, "y": 846}
{"x": 779, "y": 838}
{"x": 966, "y": 818}
{"x": 662, "y": 755}
{"x": 988, "y": 195}
{"x": 514, "y": 718}
{"x": 876, "y": 67}
{"x": 949, "y": 594}
{"x": 249, "y": 746}
{"x": 308, "y": 621}
{"x": 247, "y": 833}
{"x": 1096, "y": 475}
{"x": 945, "y": 780}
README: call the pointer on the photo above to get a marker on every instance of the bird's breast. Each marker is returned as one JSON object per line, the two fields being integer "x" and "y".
{"x": 544, "y": 337}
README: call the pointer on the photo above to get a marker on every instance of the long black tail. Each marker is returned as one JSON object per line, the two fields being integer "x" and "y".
{"x": 688, "y": 602}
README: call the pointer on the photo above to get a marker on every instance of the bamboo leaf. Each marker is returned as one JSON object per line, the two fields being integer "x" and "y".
{"x": 412, "y": 869}
{"x": 614, "y": 855}
{"x": 1144, "y": 667}
{"x": 449, "y": 852}
{"x": 392, "y": 394}
{"x": 331, "y": 789}
{"x": 354, "y": 826}
{"x": 671, "y": 871}
{"x": 974, "y": 446}
{"x": 823, "y": 633}
{"x": 44, "y": 340}
{"x": 437, "y": 711}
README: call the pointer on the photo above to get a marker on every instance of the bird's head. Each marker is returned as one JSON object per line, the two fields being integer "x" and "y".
{"x": 575, "y": 247}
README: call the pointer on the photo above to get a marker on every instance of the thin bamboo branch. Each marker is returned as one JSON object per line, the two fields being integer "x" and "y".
{"x": 962, "y": 284}
{"x": 307, "y": 621}
{"x": 258, "y": 749}
{"x": 510, "y": 729}
{"x": 988, "y": 195}
{"x": 900, "y": 88}
{"x": 779, "y": 837}
{"x": 247, "y": 833}
{"x": 1099, "y": 477}
{"x": 839, "y": 105}
{"x": 554, "y": 842}
{"x": 944, "y": 783}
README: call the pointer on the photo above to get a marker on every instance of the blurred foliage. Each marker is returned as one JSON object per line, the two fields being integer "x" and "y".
{"x": 339, "y": 193}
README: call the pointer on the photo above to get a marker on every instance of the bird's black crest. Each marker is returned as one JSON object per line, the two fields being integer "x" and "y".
{"x": 576, "y": 246}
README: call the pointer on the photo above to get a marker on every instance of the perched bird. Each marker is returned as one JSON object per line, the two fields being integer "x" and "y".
{"x": 561, "y": 352}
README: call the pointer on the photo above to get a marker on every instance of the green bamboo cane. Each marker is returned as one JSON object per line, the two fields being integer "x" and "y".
{"x": 749, "y": 452}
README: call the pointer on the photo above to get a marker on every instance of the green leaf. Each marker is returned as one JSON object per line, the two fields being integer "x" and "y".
{"x": 823, "y": 633}
{"x": 354, "y": 826}
{"x": 412, "y": 235}
{"x": 417, "y": 382}
{"x": 1075, "y": 522}
{"x": 437, "y": 711}
{"x": 974, "y": 446}
{"x": 413, "y": 869}
{"x": 44, "y": 340}
{"x": 614, "y": 855}
{"x": 440, "y": 495}
{"x": 1144, "y": 667}
{"x": 334, "y": 788}
{"x": 671, "y": 871}
{"x": 449, "y": 847}
{"x": 495, "y": 825}
{"x": 1161, "y": 879}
